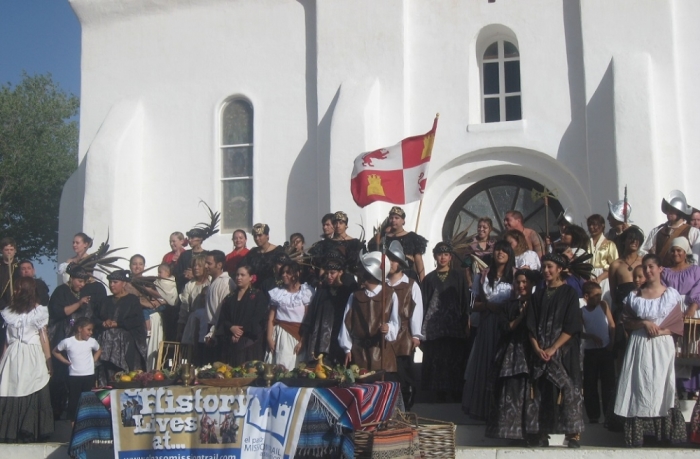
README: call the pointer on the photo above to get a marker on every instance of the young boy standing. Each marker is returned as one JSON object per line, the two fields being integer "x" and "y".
{"x": 598, "y": 357}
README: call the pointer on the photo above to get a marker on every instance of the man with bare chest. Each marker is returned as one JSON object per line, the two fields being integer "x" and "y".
{"x": 621, "y": 270}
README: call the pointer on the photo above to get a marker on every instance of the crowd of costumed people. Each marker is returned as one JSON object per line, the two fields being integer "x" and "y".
{"x": 531, "y": 335}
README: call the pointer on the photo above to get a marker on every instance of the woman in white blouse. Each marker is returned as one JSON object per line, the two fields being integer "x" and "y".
{"x": 524, "y": 257}
{"x": 288, "y": 306}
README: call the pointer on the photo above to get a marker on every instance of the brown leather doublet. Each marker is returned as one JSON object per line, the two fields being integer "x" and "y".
{"x": 363, "y": 321}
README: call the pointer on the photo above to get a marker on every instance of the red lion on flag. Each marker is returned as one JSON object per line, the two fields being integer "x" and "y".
{"x": 376, "y": 154}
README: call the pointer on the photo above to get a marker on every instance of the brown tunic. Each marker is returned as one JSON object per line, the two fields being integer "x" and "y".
{"x": 363, "y": 322}
{"x": 404, "y": 342}
{"x": 663, "y": 241}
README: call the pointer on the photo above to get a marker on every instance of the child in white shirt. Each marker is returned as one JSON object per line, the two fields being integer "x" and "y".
{"x": 82, "y": 351}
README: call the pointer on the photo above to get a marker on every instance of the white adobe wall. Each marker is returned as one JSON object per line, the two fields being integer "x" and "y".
{"x": 608, "y": 100}
{"x": 179, "y": 61}
{"x": 546, "y": 146}
{"x": 635, "y": 43}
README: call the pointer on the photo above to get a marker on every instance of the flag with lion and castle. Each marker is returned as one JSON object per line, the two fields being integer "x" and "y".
{"x": 396, "y": 174}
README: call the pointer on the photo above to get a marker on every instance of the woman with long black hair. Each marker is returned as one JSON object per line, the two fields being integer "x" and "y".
{"x": 509, "y": 383}
{"x": 491, "y": 290}
{"x": 242, "y": 320}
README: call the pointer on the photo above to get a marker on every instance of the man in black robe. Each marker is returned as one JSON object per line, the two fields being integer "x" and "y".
{"x": 9, "y": 274}
{"x": 26, "y": 269}
{"x": 324, "y": 320}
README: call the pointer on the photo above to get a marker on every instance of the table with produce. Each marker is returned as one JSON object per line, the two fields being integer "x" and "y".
{"x": 254, "y": 410}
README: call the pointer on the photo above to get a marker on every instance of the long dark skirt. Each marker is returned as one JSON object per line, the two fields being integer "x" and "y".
{"x": 509, "y": 403}
{"x": 58, "y": 387}
{"x": 245, "y": 350}
{"x": 26, "y": 419}
{"x": 669, "y": 429}
{"x": 444, "y": 361}
{"x": 475, "y": 402}
{"x": 554, "y": 411}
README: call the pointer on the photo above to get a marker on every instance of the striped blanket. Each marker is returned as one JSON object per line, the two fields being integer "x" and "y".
{"x": 363, "y": 404}
{"x": 334, "y": 414}
{"x": 93, "y": 425}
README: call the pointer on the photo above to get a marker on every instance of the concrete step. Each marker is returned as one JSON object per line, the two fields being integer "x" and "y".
{"x": 596, "y": 441}
{"x": 470, "y": 433}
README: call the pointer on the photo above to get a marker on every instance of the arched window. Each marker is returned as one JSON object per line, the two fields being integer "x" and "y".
{"x": 492, "y": 198}
{"x": 500, "y": 82}
{"x": 237, "y": 165}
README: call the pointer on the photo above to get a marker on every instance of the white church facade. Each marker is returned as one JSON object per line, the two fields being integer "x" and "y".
{"x": 259, "y": 107}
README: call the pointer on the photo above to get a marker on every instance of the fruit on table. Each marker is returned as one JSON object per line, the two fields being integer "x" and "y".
{"x": 320, "y": 370}
{"x": 349, "y": 375}
{"x": 158, "y": 376}
{"x": 125, "y": 378}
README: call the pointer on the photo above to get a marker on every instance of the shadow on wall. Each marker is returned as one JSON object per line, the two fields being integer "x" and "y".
{"x": 71, "y": 209}
{"x": 592, "y": 128}
{"x": 602, "y": 161}
{"x": 312, "y": 159}
{"x": 308, "y": 188}
{"x": 572, "y": 148}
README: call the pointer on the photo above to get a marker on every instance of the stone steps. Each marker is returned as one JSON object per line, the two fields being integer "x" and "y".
{"x": 597, "y": 442}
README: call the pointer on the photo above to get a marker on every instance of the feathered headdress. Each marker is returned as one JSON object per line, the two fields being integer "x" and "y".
{"x": 462, "y": 250}
{"x": 205, "y": 230}
{"x": 145, "y": 285}
{"x": 295, "y": 255}
{"x": 581, "y": 266}
{"x": 98, "y": 261}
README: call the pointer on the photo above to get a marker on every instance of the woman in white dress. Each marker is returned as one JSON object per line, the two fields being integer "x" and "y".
{"x": 646, "y": 392}
{"x": 491, "y": 290}
{"x": 288, "y": 306}
{"x": 524, "y": 257}
{"x": 25, "y": 368}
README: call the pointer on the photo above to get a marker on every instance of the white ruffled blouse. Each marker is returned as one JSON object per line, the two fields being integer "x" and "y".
{"x": 23, "y": 368}
{"x": 654, "y": 309}
{"x": 291, "y": 306}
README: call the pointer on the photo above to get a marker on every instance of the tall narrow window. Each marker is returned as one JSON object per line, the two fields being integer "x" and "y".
{"x": 500, "y": 76}
{"x": 237, "y": 165}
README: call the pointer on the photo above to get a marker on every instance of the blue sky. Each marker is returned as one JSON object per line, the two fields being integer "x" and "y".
{"x": 40, "y": 36}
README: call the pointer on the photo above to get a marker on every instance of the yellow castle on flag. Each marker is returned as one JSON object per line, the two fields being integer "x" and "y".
{"x": 374, "y": 186}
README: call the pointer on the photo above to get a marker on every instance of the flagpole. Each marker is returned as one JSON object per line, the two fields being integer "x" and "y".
{"x": 420, "y": 207}
{"x": 420, "y": 204}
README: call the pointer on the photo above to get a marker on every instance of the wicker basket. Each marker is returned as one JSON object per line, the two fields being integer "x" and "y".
{"x": 436, "y": 438}
{"x": 230, "y": 382}
{"x": 394, "y": 438}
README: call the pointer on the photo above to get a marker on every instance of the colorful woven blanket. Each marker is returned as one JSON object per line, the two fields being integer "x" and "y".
{"x": 319, "y": 437}
{"x": 93, "y": 425}
{"x": 361, "y": 405}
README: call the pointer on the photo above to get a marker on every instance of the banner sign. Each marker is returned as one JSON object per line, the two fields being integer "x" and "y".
{"x": 201, "y": 422}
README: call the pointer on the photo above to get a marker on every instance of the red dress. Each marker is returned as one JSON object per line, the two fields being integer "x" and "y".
{"x": 232, "y": 260}
{"x": 168, "y": 257}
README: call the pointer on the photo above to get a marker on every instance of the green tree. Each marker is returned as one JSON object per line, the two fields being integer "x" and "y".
{"x": 38, "y": 153}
